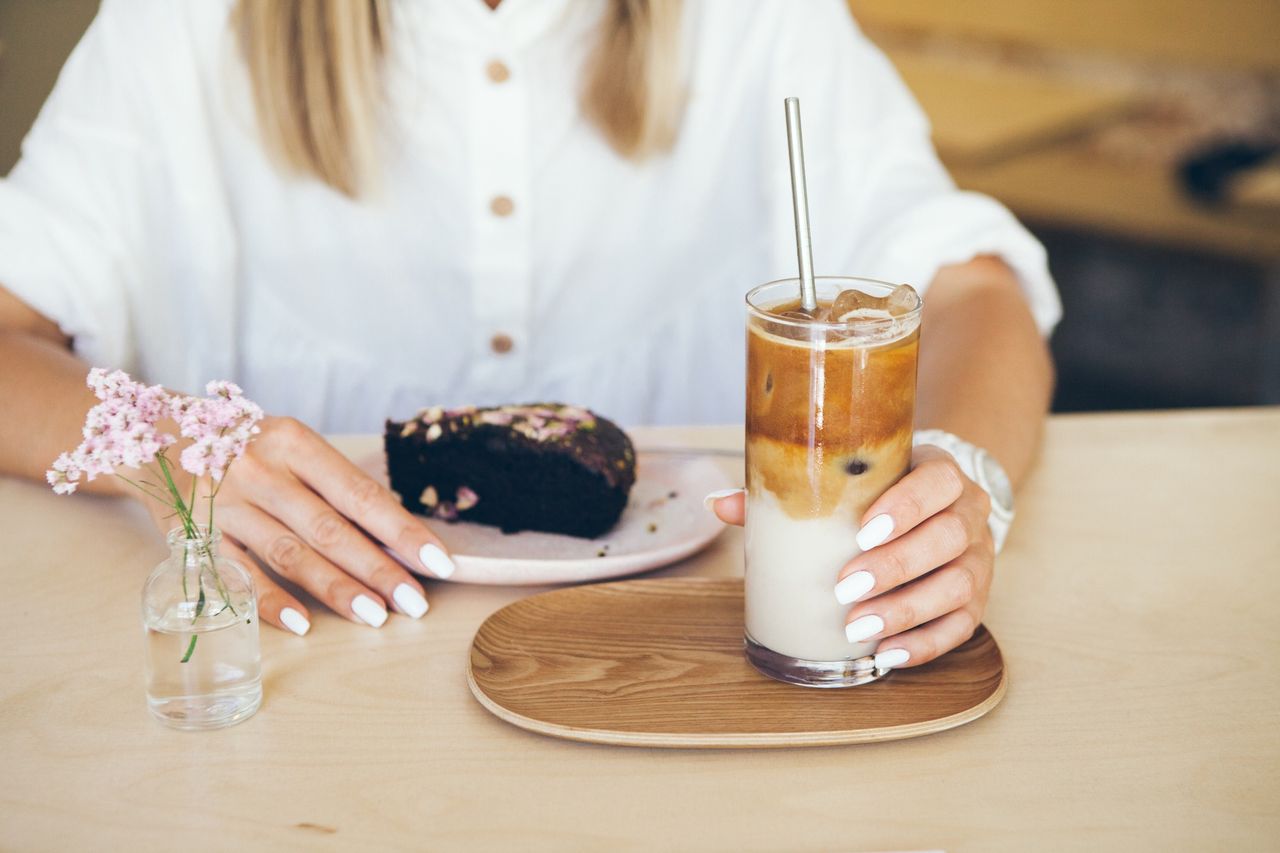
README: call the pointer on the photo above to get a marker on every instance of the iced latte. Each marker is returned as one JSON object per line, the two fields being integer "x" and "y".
{"x": 830, "y": 402}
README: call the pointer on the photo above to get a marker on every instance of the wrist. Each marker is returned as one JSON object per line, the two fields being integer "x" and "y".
{"x": 983, "y": 469}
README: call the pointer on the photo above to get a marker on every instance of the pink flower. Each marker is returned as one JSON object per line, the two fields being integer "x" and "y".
{"x": 220, "y": 427}
{"x": 119, "y": 431}
{"x": 64, "y": 474}
{"x": 122, "y": 430}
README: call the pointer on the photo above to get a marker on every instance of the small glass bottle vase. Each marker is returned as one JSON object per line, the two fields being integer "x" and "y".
{"x": 200, "y": 613}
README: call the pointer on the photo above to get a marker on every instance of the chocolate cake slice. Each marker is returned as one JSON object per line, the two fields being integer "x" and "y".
{"x": 542, "y": 466}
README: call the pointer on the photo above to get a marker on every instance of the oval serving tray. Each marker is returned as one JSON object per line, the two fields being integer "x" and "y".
{"x": 659, "y": 663}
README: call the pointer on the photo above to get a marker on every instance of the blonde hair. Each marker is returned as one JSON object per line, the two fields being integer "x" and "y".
{"x": 315, "y": 71}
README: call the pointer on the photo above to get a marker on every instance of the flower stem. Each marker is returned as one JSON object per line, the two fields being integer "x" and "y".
{"x": 191, "y": 647}
{"x": 140, "y": 487}
{"x": 184, "y": 512}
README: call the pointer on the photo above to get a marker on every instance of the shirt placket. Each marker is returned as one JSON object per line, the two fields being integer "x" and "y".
{"x": 500, "y": 207}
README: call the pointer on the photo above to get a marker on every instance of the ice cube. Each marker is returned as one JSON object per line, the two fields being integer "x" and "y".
{"x": 854, "y": 305}
{"x": 901, "y": 300}
{"x": 852, "y": 300}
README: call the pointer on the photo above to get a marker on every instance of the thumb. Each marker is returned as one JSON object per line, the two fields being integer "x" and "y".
{"x": 729, "y": 505}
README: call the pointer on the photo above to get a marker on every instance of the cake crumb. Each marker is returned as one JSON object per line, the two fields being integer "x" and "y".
{"x": 429, "y": 497}
{"x": 653, "y": 527}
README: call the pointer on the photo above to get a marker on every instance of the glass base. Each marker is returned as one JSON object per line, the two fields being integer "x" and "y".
{"x": 211, "y": 711}
{"x": 813, "y": 673}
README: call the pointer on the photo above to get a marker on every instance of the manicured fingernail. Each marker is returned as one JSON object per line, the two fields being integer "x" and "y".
{"x": 295, "y": 621}
{"x": 891, "y": 658}
{"x": 410, "y": 601}
{"x": 723, "y": 493}
{"x": 369, "y": 610}
{"x": 436, "y": 561}
{"x": 854, "y": 587}
{"x": 874, "y": 532}
{"x": 861, "y": 628}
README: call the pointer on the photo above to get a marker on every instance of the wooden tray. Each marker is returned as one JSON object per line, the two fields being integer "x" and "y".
{"x": 659, "y": 663}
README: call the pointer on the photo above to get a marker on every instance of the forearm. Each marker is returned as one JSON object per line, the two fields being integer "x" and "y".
{"x": 985, "y": 372}
{"x": 43, "y": 386}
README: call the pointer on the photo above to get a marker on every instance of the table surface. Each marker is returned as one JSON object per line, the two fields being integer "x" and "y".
{"x": 1135, "y": 604}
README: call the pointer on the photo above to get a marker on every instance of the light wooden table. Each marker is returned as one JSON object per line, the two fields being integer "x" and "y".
{"x": 1138, "y": 605}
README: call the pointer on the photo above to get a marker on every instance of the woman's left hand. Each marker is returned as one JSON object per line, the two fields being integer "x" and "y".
{"x": 920, "y": 586}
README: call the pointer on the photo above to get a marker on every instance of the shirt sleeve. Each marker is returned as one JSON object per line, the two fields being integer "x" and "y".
{"x": 70, "y": 211}
{"x": 881, "y": 204}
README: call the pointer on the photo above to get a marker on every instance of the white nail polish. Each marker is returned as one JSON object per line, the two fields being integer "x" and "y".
{"x": 410, "y": 601}
{"x": 863, "y": 627}
{"x": 295, "y": 621}
{"x": 854, "y": 587}
{"x": 436, "y": 561}
{"x": 719, "y": 495}
{"x": 891, "y": 658}
{"x": 369, "y": 610}
{"x": 874, "y": 532}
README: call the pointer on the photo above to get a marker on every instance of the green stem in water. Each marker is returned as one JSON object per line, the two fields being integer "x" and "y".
{"x": 217, "y": 580}
{"x": 191, "y": 647}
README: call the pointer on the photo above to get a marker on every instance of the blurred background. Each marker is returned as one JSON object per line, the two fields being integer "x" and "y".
{"x": 1136, "y": 138}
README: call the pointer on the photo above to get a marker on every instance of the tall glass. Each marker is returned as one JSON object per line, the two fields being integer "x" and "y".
{"x": 830, "y": 407}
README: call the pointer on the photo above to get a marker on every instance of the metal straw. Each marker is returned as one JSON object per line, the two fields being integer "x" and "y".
{"x": 800, "y": 202}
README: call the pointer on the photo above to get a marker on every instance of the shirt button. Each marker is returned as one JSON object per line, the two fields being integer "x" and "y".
{"x": 501, "y": 343}
{"x": 502, "y": 205}
{"x": 498, "y": 71}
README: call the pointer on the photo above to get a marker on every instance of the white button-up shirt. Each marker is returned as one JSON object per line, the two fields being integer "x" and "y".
{"x": 507, "y": 254}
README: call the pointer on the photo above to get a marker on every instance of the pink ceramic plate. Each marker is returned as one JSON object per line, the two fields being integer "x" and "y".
{"x": 664, "y": 521}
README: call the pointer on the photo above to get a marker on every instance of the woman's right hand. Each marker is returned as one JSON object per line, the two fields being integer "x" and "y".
{"x": 317, "y": 520}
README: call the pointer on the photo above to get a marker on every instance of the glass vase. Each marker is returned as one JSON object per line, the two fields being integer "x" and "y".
{"x": 200, "y": 614}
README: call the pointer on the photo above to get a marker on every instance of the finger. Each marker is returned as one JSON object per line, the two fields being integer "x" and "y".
{"x": 275, "y": 605}
{"x": 938, "y": 541}
{"x": 933, "y": 484}
{"x": 371, "y": 505}
{"x": 330, "y": 534}
{"x": 927, "y": 642}
{"x": 955, "y": 585}
{"x": 294, "y": 560}
{"x": 729, "y": 505}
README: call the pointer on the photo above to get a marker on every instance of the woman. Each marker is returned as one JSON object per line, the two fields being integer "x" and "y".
{"x": 355, "y": 209}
